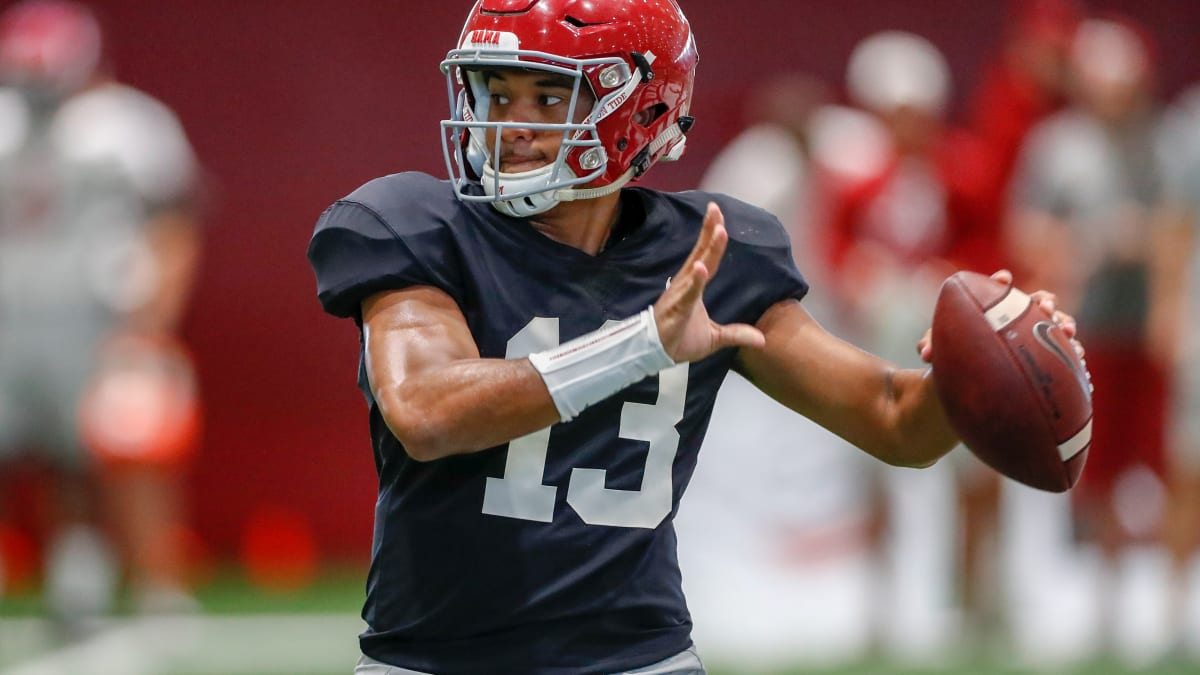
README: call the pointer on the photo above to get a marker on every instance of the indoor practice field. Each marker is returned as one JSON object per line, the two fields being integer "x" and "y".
{"x": 246, "y": 630}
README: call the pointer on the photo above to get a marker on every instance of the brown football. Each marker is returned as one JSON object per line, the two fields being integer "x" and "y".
{"x": 1011, "y": 383}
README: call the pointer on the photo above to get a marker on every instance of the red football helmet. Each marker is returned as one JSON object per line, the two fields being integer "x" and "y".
{"x": 636, "y": 56}
{"x": 50, "y": 45}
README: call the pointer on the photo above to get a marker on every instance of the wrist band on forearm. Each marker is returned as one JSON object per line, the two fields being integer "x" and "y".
{"x": 597, "y": 365}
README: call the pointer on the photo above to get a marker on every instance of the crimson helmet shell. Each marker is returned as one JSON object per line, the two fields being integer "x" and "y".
{"x": 652, "y": 38}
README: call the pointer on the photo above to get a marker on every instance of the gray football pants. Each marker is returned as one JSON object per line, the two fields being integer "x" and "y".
{"x": 684, "y": 663}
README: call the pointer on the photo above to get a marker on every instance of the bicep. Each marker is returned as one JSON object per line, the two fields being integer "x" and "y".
{"x": 408, "y": 331}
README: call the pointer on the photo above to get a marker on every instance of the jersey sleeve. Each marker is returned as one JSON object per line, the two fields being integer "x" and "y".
{"x": 381, "y": 237}
{"x": 759, "y": 256}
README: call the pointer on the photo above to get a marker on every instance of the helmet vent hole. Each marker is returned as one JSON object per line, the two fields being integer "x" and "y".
{"x": 580, "y": 23}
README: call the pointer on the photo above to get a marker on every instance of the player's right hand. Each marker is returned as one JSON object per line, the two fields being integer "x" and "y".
{"x": 686, "y": 331}
{"x": 1044, "y": 299}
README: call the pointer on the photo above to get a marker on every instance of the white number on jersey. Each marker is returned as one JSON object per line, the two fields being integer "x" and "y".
{"x": 520, "y": 492}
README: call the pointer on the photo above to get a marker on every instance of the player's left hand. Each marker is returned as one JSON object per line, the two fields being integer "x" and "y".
{"x": 1044, "y": 299}
{"x": 684, "y": 327}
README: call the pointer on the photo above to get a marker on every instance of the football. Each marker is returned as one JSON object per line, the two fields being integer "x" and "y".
{"x": 1011, "y": 382}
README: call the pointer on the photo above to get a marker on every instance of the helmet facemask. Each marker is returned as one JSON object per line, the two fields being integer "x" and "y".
{"x": 581, "y": 156}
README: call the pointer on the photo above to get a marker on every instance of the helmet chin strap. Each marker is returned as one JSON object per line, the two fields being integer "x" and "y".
{"x": 576, "y": 194}
{"x": 533, "y": 192}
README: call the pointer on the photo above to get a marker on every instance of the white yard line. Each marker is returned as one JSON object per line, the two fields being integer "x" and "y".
{"x": 287, "y": 644}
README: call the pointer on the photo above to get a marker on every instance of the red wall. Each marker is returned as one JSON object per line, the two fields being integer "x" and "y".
{"x": 292, "y": 103}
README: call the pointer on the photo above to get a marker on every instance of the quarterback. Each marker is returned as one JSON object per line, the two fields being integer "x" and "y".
{"x": 542, "y": 345}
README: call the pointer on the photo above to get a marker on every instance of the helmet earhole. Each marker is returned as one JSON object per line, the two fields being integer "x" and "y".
{"x": 622, "y": 144}
{"x": 646, "y": 116}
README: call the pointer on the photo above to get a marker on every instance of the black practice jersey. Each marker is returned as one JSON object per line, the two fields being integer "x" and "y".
{"x": 554, "y": 553}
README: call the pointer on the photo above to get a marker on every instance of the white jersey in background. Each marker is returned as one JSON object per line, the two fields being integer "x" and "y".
{"x": 77, "y": 187}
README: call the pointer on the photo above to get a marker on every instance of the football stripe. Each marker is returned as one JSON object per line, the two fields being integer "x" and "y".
{"x": 1009, "y": 308}
{"x": 1075, "y": 444}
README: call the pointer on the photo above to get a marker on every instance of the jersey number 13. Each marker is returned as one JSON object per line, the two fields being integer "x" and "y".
{"x": 520, "y": 492}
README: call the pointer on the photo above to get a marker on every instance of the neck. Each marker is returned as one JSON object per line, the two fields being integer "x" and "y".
{"x": 585, "y": 224}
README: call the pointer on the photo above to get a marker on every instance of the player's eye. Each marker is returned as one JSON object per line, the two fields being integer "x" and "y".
{"x": 550, "y": 100}
{"x": 499, "y": 99}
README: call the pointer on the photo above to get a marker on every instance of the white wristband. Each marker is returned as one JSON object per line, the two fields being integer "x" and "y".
{"x": 597, "y": 365}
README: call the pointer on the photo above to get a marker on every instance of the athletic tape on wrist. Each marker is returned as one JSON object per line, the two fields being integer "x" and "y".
{"x": 597, "y": 365}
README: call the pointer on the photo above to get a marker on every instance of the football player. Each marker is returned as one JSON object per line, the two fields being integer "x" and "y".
{"x": 542, "y": 346}
{"x": 98, "y": 246}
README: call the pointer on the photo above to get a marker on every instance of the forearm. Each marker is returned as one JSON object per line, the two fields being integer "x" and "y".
{"x": 892, "y": 414}
{"x": 458, "y": 404}
{"x": 922, "y": 432}
{"x": 435, "y": 393}
{"x": 466, "y": 406}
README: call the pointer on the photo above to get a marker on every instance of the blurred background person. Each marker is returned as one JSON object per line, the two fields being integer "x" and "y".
{"x": 98, "y": 246}
{"x": 893, "y": 233}
{"x": 1088, "y": 219}
{"x": 775, "y": 544}
{"x": 768, "y": 163}
{"x": 1180, "y": 280}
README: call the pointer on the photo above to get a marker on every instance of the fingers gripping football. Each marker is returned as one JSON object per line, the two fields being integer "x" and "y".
{"x": 684, "y": 327}
{"x": 1046, "y": 300}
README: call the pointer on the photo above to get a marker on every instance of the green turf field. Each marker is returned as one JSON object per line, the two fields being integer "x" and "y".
{"x": 245, "y": 630}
